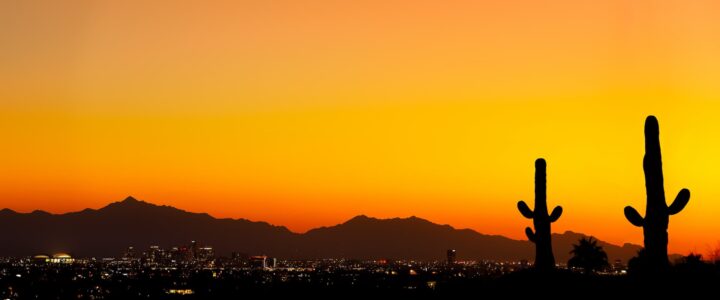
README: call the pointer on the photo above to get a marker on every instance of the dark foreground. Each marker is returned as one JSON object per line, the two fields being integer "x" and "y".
{"x": 65, "y": 282}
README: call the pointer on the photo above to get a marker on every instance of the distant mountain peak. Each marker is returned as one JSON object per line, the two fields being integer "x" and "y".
{"x": 367, "y": 219}
{"x": 129, "y": 203}
{"x": 412, "y": 218}
{"x": 40, "y": 212}
{"x": 7, "y": 211}
{"x": 131, "y": 199}
{"x": 360, "y": 218}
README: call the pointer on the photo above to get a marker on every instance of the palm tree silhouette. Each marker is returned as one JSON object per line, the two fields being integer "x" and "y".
{"x": 588, "y": 255}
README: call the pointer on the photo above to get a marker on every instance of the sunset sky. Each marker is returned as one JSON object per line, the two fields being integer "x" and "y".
{"x": 307, "y": 113}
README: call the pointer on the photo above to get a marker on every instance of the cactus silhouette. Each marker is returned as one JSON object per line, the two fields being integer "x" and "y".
{"x": 657, "y": 213}
{"x": 544, "y": 259}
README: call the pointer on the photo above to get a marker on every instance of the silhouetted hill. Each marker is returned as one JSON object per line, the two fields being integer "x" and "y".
{"x": 416, "y": 238}
{"x": 413, "y": 238}
{"x": 109, "y": 230}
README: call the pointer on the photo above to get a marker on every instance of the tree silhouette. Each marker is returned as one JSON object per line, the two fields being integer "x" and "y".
{"x": 692, "y": 259}
{"x": 714, "y": 254}
{"x": 693, "y": 266}
{"x": 544, "y": 259}
{"x": 588, "y": 255}
{"x": 657, "y": 213}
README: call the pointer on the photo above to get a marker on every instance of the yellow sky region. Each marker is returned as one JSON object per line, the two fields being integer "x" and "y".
{"x": 308, "y": 113}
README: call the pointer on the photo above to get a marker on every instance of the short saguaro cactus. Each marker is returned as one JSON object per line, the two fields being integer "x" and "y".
{"x": 544, "y": 259}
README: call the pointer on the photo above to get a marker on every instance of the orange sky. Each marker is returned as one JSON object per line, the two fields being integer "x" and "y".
{"x": 306, "y": 113}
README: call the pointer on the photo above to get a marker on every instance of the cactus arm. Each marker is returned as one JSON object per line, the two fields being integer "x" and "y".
{"x": 680, "y": 201}
{"x": 556, "y": 213}
{"x": 530, "y": 234}
{"x": 633, "y": 216}
{"x": 525, "y": 210}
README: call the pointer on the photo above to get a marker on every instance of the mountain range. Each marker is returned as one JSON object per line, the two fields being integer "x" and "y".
{"x": 108, "y": 231}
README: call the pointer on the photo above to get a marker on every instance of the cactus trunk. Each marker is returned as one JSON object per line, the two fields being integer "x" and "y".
{"x": 544, "y": 259}
{"x": 657, "y": 213}
{"x": 656, "y": 216}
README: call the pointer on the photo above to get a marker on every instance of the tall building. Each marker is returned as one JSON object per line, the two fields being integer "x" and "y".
{"x": 129, "y": 253}
{"x": 451, "y": 256}
{"x": 194, "y": 249}
{"x": 179, "y": 254}
{"x": 154, "y": 254}
{"x": 205, "y": 255}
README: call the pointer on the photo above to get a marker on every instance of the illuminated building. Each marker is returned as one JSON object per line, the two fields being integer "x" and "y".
{"x": 205, "y": 255}
{"x": 451, "y": 256}
{"x": 129, "y": 253}
{"x": 194, "y": 249}
{"x": 180, "y": 254}
{"x": 156, "y": 255}
{"x": 61, "y": 258}
{"x": 180, "y": 291}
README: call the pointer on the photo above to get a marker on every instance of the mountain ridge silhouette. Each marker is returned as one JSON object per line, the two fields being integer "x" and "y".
{"x": 109, "y": 230}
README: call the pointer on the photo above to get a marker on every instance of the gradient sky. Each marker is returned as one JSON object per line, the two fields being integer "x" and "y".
{"x": 306, "y": 113}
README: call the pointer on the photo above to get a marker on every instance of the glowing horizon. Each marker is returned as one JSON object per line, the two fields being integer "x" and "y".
{"x": 307, "y": 114}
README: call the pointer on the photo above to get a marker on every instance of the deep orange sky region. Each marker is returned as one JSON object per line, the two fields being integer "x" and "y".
{"x": 306, "y": 113}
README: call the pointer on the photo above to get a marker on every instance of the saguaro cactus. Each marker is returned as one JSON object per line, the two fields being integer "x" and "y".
{"x": 544, "y": 259}
{"x": 657, "y": 213}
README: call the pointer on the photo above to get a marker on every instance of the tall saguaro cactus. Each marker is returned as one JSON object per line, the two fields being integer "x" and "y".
{"x": 657, "y": 213}
{"x": 544, "y": 259}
